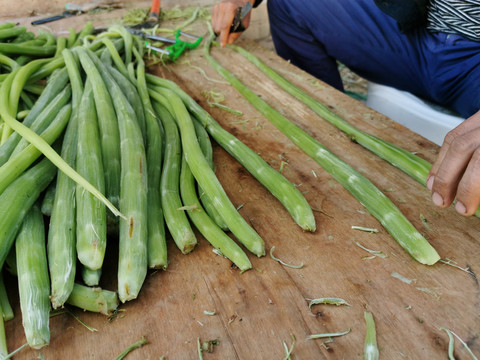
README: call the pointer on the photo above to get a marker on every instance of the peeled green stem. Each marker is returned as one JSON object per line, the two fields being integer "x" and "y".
{"x": 132, "y": 347}
{"x": 205, "y": 224}
{"x": 3, "y": 337}
{"x": 206, "y": 145}
{"x": 108, "y": 128}
{"x": 18, "y": 163}
{"x": 18, "y": 198}
{"x": 157, "y": 245}
{"x": 277, "y": 184}
{"x": 7, "y": 312}
{"x": 133, "y": 236}
{"x": 175, "y": 218}
{"x": 91, "y": 213}
{"x": 33, "y": 280}
{"x": 370, "y": 349}
{"x": 39, "y": 124}
{"x": 61, "y": 244}
{"x": 93, "y": 299}
{"x": 354, "y": 182}
{"x": 412, "y": 165}
{"x": 91, "y": 277}
{"x": 208, "y": 181}
{"x": 45, "y": 148}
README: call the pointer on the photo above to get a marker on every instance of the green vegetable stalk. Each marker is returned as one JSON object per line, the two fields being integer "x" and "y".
{"x": 358, "y": 185}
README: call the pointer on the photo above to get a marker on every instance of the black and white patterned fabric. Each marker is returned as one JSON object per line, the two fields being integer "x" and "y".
{"x": 460, "y": 17}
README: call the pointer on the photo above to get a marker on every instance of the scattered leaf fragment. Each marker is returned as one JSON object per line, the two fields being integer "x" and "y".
{"x": 327, "y": 335}
{"x": 327, "y": 301}
{"x": 282, "y": 262}
{"x": 132, "y": 347}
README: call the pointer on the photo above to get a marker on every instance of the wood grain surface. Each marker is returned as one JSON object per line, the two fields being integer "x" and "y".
{"x": 255, "y": 312}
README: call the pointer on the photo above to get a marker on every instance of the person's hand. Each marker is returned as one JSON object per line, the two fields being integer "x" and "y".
{"x": 222, "y": 18}
{"x": 455, "y": 175}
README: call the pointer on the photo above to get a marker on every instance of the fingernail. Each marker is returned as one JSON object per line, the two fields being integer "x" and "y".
{"x": 461, "y": 209}
{"x": 430, "y": 181}
{"x": 437, "y": 199}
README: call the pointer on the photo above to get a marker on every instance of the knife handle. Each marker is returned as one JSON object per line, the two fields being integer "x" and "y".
{"x": 237, "y": 25}
{"x": 154, "y": 10}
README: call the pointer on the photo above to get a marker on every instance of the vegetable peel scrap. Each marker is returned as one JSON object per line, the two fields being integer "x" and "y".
{"x": 132, "y": 347}
{"x": 370, "y": 349}
{"x": 327, "y": 335}
{"x": 284, "y": 263}
{"x": 288, "y": 351}
{"x": 327, "y": 301}
{"x": 451, "y": 344}
{"x": 361, "y": 228}
{"x": 375, "y": 253}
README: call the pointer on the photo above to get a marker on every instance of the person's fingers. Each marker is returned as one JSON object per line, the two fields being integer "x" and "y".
{"x": 468, "y": 192}
{"x": 451, "y": 169}
{"x": 456, "y": 171}
{"x": 465, "y": 127}
{"x": 222, "y": 18}
{"x": 234, "y": 36}
{"x": 225, "y": 21}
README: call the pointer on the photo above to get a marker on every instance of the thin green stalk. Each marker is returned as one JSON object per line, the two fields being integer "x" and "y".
{"x": 277, "y": 184}
{"x": 21, "y": 78}
{"x": 7, "y": 85}
{"x": 61, "y": 44}
{"x": 358, "y": 185}
{"x": 132, "y": 347}
{"x": 452, "y": 344}
{"x": 115, "y": 55}
{"x": 48, "y": 199}
{"x": 87, "y": 30}
{"x": 207, "y": 179}
{"x": 157, "y": 245}
{"x": 46, "y": 149}
{"x": 128, "y": 39}
{"x": 10, "y": 264}
{"x": 12, "y": 64}
{"x": 72, "y": 37}
{"x": 27, "y": 101}
{"x": 205, "y": 224}
{"x": 206, "y": 145}
{"x": 20, "y": 49}
{"x": 51, "y": 100}
{"x": 43, "y": 120}
{"x": 3, "y": 337}
{"x": 327, "y": 335}
{"x": 7, "y": 312}
{"x": 12, "y": 32}
{"x": 18, "y": 163}
{"x": 175, "y": 218}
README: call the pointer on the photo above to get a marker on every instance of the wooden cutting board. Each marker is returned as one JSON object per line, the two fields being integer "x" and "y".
{"x": 255, "y": 312}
